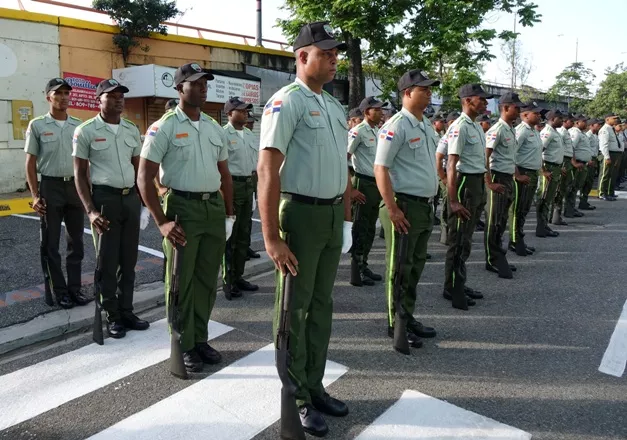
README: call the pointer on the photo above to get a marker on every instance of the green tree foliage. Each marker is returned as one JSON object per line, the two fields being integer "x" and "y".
{"x": 612, "y": 94}
{"x": 451, "y": 82}
{"x": 574, "y": 83}
{"x": 137, "y": 19}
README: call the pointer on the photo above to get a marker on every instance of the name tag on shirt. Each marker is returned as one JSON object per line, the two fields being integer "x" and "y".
{"x": 314, "y": 113}
{"x": 100, "y": 140}
{"x": 48, "y": 133}
{"x": 182, "y": 135}
{"x": 414, "y": 140}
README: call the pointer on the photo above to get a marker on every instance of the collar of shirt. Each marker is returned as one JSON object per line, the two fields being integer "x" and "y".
{"x": 526, "y": 125}
{"x": 50, "y": 120}
{"x": 370, "y": 128}
{"x": 182, "y": 117}
{"x": 413, "y": 119}
{"x": 100, "y": 123}
{"x": 310, "y": 92}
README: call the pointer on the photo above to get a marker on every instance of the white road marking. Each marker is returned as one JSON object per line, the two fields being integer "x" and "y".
{"x": 615, "y": 357}
{"x": 32, "y": 391}
{"x": 418, "y": 416}
{"x": 236, "y": 403}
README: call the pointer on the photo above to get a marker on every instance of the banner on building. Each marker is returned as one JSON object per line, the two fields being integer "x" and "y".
{"x": 83, "y": 94}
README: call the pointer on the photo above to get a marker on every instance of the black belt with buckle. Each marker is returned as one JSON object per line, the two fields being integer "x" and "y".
{"x": 365, "y": 177}
{"x": 113, "y": 190}
{"x": 415, "y": 198}
{"x": 58, "y": 179}
{"x": 242, "y": 178}
{"x": 189, "y": 195}
{"x": 553, "y": 163}
{"x": 312, "y": 200}
{"x": 581, "y": 161}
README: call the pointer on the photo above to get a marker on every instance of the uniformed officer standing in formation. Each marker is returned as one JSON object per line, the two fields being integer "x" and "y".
{"x": 553, "y": 158}
{"x": 250, "y": 253}
{"x": 441, "y": 155}
{"x": 355, "y": 117}
{"x": 405, "y": 171}
{"x": 566, "y": 179}
{"x": 109, "y": 146}
{"x": 362, "y": 146}
{"x": 465, "y": 185}
{"x": 610, "y": 149}
{"x": 594, "y": 125}
{"x": 620, "y": 134}
{"x": 484, "y": 121}
{"x": 242, "y": 163}
{"x": 582, "y": 157}
{"x": 528, "y": 163}
{"x": 48, "y": 150}
{"x": 304, "y": 194}
{"x": 192, "y": 150}
{"x": 501, "y": 146}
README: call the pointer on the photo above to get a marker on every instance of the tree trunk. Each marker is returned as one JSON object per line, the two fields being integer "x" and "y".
{"x": 356, "y": 84}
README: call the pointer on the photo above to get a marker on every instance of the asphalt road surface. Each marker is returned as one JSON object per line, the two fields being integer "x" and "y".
{"x": 523, "y": 362}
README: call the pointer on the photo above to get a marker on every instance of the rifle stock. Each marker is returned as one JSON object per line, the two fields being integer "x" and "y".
{"x": 291, "y": 427}
{"x": 98, "y": 336}
{"x": 43, "y": 252}
{"x": 401, "y": 343}
{"x": 177, "y": 364}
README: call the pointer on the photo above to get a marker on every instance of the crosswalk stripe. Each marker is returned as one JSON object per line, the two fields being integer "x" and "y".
{"x": 32, "y": 391}
{"x": 236, "y": 403}
{"x": 418, "y": 416}
{"x": 615, "y": 356}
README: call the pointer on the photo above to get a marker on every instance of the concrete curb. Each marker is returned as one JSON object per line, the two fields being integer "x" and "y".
{"x": 60, "y": 323}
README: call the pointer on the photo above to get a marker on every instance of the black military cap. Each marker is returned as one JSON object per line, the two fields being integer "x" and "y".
{"x": 593, "y": 121}
{"x": 579, "y": 118}
{"x": 468, "y": 90}
{"x": 437, "y": 117}
{"x": 191, "y": 72}
{"x": 251, "y": 117}
{"x": 320, "y": 34}
{"x": 510, "y": 98}
{"x": 355, "y": 113}
{"x": 532, "y": 107}
{"x": 552, "y": 114}
{"x": 171, "y": 104}
{"x": 569, "y": 117}
{"x": 416, "y": 77}
{"x": 56, "y": 84}
{"x": 235, "y": 103}
{"x": 371, "y": 102}
{"x": 611, "y": 115}
{"x": 110, "y": 85}
{"x": 483, "y": 118}
{"x": 452, "y": 116}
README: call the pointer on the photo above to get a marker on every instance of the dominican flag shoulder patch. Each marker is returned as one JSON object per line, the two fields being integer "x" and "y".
{"x": 352, "y": 134}
{"x": 453, "y": 134}
{"x": 272, "y": 107}
{"x": 152, "y": 131}
{"x": 387, "y": 135}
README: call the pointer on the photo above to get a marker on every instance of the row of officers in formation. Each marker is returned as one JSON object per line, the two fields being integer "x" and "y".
{"x": 197, "y": 180}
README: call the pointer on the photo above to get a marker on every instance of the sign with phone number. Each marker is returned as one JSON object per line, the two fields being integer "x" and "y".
{"x": 83, "y": 94}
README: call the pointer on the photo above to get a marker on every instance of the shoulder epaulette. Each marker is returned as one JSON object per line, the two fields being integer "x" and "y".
{"x": 87, "y": 122}
{"x": 246, "y": 129}
{"x": 76, "y": 119}
{"x": 210, "y": 118}
{"x": 291, "y": 88}
{"x": 130, "y": 122}
{"x": 38, "y": 118}
{"x": 396, "y": 117}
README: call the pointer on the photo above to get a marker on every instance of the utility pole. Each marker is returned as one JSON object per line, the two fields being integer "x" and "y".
{"x": 259, "y": 32}
{"x": 576, "y": 50}
{"x": 513, "y": 67}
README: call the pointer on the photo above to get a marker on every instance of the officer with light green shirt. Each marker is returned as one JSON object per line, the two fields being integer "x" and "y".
{"x": 610, "y": 149}
{"x": 191, "y": 149}
{"x": 304, "y": 197}
{"x": 594, "y": 125}
{"x": 405, "y": 171}
{"x": 528, "y": 163}
{"x": 552, "y": 162}
{"x": 567, "y": 179}
{"x": 48, "y": 150}
{"x": 362, "y": 146}
{"x": 581, "y": 157}
{"x": 109, "y": 146}
{"x": 242, "y": 162}
{"x": 465, "y": 185}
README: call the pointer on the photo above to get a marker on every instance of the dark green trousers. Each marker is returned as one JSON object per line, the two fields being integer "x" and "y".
{"x": 566, "y": 184}
{"x": 609, "y": 173}
{"x": 419, "y": 214}
{"x": 237, "y": 246}
{"x": 365, "y": 219}
{"x": 523, "y": 198}
{"x": 546, "y": 192}
{"x": 588, "y": 183}
{"x": 119, "y": 250}
{"x": 63, "y": 205}
{"x": 444, "y": 216}
{"x": 472, "y": 188}
{"x": 579, "y": 178}
{"x": 496, "y": 213}
{"x": 203, "y": 223}
{"x": 315, "y": 239}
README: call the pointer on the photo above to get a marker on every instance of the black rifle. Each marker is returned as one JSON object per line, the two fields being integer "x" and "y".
{"x": 43, "y": 252}
{"x": 355, "y": 263}
{"x": 291, "y": 427}
{"x": 401, "y": 343}
{"x": 97, "y": 333}
{"x": 177, "y": 364}
{"x": 459, "y": 272}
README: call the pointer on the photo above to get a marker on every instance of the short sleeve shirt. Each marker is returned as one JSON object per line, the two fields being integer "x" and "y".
{"x": 362, "y": 145}
{"x": 568, "y": 143}
{"x": 581, "y": 145}
{"x": 311, "y": 136}
{"x": 466, "y": 139}
{"x": 593, "y": 139}
{"x": 552, "y": 145}
{"x": 407, "y": 148}
{"x": 109, "y": 154}
{"x": 501, "y": 139}
{"x": 188, "y": 155}
{"x": 52, "y": 144}
{"x": 243, "y": 152}
{"x": 529, "y": 154}
{"x": 608, "y": 141}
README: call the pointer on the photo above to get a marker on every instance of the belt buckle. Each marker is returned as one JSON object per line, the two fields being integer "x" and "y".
{"x": 205, "y": 196}
{"x": 430, "y": 200}
{"x": 338, "y": 200}
{"x": 68, "y": 179}
{"x": 126, "y": 191}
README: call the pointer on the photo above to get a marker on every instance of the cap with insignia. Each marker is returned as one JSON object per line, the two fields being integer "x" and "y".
{"x": 510, "y": 98}
{"x": 452, "y": 116}
{"x": 581, "y": 118}
{"x": 319, "y": 34}
{"x": 371, "y": 102}
{"x": 468, "y": 90}
{"x": 56, "y": 84}
{"x": 611, "y": 115}
{"x": 110, "y": 85}
{"x": 483, "y": 118}
{"x": 191, "y": 72}
{"x": 532, "y": 107}
{"x": 552, "y": 114}
{"x": 171, "y": 104}
{"x": 416, "y": 77}
{"x": 355, "y": 113}
{"x": 235, "y": 103}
